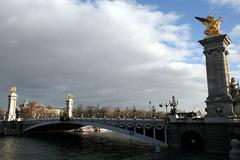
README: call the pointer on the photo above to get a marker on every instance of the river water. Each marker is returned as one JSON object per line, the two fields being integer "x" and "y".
{"x": 88, "y": 146}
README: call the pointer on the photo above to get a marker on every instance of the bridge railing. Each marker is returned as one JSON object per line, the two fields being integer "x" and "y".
{"x": 128, "y": 119}
{"x": 106, "y": 118}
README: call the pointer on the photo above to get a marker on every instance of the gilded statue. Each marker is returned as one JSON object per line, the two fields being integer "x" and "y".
{"x": 13, "y": 90}
{"x": 212, "y": 25}
{"x": 69, "y": 96}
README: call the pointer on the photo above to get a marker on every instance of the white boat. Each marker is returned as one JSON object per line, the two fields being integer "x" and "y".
{"x": 104, "y": 130}
{"x": 88, "y": 129}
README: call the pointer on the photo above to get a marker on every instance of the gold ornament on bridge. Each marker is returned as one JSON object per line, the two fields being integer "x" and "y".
{"x": 212, "y": 25}
{"x": 13, "y": 90}
{"x": 69, "y": 96}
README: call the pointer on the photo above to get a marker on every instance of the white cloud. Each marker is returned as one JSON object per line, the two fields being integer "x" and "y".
{"x": 234, "y": 53}
{"x": 236, "y": 30}
{"x": 106, "y": 52}
{"x": 234, "y": 48}
{"x": 230, "y": 3}
{"x": 236, "y": 74}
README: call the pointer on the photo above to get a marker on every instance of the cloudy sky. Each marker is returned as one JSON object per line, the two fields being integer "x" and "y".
{"x": 119, "y": 53}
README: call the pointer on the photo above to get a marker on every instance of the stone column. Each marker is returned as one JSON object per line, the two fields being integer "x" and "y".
{"x": 219, "y": 102}
{"x": 165, "y": 135}
{"x": 154, "y": 133}
{"x": 235, "y": 152}
{"x": 12, "y": 103}
{"x": 135, "y": 129}
{"x": 69, "y": 105}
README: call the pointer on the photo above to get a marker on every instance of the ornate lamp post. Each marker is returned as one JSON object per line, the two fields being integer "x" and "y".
{"x": 150, "y": 103}
{"x": 98, "y": 111}
{"x": 126, "y": 113}
{"x": 118, "y": 111}
{"x": 153, "y": 112}
{"x": 134, "y": 112}
{"x": 173, "y": 104}
{"x": 165, "y": 105}
{"x": 104, "y": 114}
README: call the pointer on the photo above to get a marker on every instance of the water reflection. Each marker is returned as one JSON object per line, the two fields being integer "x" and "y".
{"x": 69, "y": 145}
{"x": 7, "y": 147}
{"x": 88, "y": 146}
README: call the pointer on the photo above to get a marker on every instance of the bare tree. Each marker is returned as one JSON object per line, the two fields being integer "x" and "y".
{"x": 32, "y": 110}
{"x": 78, "y": 111}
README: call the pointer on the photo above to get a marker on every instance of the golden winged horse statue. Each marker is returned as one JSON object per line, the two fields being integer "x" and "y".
{"x": 212, "y": 25}
{"x": 13, "y": 90}
{"x": 69, "y": 96}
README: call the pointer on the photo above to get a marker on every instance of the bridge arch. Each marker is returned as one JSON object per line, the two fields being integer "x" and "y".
{"x": 77, "y": 124}
{"x": 52, "y": 125}
{"x": 192, "y": 140}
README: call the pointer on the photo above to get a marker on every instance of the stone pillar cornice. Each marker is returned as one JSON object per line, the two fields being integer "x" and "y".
{"x": 216, "y": 39}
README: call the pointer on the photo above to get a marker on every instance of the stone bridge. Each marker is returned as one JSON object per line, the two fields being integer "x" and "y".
{"x": 209, "y": 134}
{"x": 148, "y": 130}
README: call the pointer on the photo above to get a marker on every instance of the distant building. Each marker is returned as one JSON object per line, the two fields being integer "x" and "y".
{"x": 189, "y": 114}
{"x": 37, "y": 110}
{"x": 53, "y": 112}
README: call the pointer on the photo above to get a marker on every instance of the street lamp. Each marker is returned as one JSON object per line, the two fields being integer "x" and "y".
{"x": 173, "y": 104}
{"x": 150, "y": 103}
{"x": 153, "y": 112}
{"x": 104, "y": 114}
{"x": 126, "y": 113}
{"x": 165, "y": 105}
{"x": 118, "y": 111}
{"x": 134, "y": 112}
{"x": 98, "y": 111}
